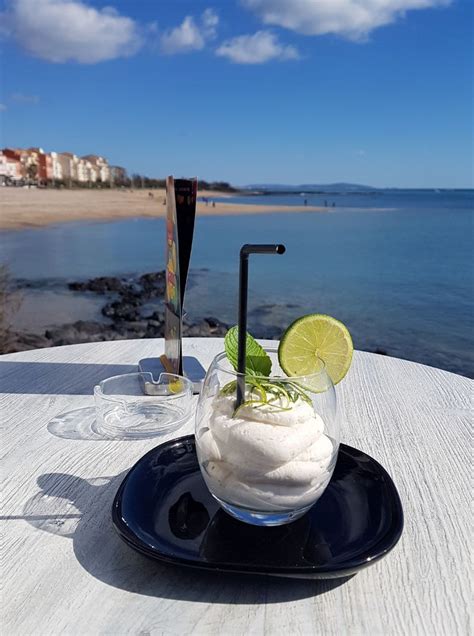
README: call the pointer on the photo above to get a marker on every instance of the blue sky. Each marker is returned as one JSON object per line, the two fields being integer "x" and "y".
{"x": 247, "y": 91}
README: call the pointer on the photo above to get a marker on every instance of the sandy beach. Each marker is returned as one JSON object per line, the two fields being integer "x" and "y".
{"x": 23, "y": 208}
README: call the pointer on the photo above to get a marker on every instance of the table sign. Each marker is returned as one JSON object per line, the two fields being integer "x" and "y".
{"x": 181, "y": 195}
{"x": 181, "y": 211}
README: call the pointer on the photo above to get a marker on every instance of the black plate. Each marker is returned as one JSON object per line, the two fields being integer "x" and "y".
{"x": 164, "y": 510}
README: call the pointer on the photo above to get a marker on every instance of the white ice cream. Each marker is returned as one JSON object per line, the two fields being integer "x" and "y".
{"x": 265, "y": 459}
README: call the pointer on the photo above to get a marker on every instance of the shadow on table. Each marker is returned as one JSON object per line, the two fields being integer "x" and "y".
{"x": 56, "y": 378}
{"x": 80, "y": 510}
{"x": 76, "y": 424}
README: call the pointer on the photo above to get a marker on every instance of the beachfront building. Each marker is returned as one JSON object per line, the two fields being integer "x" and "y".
{"x": 68, "y": 166}
{"x": 11, "y": 169}
{"x": 36, "y": 165}
{"x": 81, "y": 170}
{"x": 23, "y": 156}
{"x": 73, "y": 167}
{"x": 56, "y": 172}
{"x": 14, "y": 155}
{"x": 45, "y": 172}
{"x": 91, "y": 171}
{"x": 98, "y": 165}
{"x": 37, "y": 157}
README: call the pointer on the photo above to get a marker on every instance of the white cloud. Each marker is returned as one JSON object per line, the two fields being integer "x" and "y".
{"x": 3, "y": 107}
{"x": 70, "y": 30}
{"x": 210, "y": 21}
{"x": 353, "y": 19}
{"x": 186, "y": 37}
{"x": 258, "y": 48}
{"x": 190, "y": 35}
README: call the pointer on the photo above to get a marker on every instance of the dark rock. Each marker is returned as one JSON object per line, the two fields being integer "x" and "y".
{"x": 99, "y": 285}
{"x": 108, "y": 311}
{"x": 153, "y": 279}
{"x": 27, "y": 341}
{"x": 155, "y": 323}
{"x": 215, "y": 325}
{"x": 131, "y": 299}
{"x": 80, "y": 331}
{"x": 119, "y": 310}
{"x": 156, "y": 316}
{"x": 131, "y": 291}
{"x": 105, "y": 284}
{"x": 133, "y": 325}
{"x": 147, "y": 286}
{"x": 90, "y": 327}
{"x": 155, "y": 330}
{"x": 205, "y": 328}
{"x": 78, "y": 286}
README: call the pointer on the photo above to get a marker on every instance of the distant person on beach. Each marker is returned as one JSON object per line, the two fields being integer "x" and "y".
{"x": 333, "y": 204}
{"x": 306, "y": 201}
{"x": 325, "y": 204}
{"x": 213, "y": 204}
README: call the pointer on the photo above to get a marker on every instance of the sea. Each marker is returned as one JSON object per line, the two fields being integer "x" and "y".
{"x": 396, "y": 266}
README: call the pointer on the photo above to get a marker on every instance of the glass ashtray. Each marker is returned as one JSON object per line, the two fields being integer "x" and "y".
{"x": 124, "y": 411}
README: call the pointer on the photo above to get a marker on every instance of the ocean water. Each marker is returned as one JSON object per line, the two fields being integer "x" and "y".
{"x": 396, "y": 267}
{"x": 388, "y": 199}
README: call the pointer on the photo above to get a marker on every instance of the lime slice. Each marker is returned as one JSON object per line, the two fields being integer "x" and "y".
{"x": 312, "y": 337}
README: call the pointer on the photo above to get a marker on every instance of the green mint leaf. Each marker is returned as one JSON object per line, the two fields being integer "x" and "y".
{"x": 257, "y": 361}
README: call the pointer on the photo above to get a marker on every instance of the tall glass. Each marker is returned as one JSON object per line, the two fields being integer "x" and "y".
{"x": 268, "y": 461}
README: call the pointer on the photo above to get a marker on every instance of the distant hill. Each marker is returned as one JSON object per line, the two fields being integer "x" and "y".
{"x": 309, "y": 187}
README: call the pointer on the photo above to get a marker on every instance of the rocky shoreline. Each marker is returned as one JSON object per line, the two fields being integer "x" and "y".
{"x": 126, "y": 314}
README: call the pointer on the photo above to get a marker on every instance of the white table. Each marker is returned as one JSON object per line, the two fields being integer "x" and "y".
{"x": 65, "y": 571}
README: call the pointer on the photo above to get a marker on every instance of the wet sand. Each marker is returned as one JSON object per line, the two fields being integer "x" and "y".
{"x": 23, "y": 207}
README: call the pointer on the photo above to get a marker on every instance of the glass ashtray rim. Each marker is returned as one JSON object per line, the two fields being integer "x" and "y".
{"x": 132, "y": 414}
{"x": 119, "y": 398}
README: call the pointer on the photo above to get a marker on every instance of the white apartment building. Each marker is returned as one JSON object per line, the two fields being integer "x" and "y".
{"x": 66, "y": 160}
{"x": 91, "y": 171}
{"x": 100, "y": 165}
{"x": 56, "y": 167}
{"x": 73, "y": 167}
{"x": 82, "y": 173}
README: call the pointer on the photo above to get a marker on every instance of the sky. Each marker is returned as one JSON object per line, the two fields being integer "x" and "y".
{"x": 377, "y": 92}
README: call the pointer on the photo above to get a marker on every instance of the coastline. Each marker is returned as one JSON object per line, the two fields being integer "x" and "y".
{"x": 23, "y": 208}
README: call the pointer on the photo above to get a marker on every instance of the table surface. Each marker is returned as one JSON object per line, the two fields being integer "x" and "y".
{"x": 65, "y": 570}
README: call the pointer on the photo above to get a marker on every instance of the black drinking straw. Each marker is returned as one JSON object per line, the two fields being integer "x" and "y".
{"x": 245, "y": 252}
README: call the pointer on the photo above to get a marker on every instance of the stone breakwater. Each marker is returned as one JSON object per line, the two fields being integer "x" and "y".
{"x": 125, "y": 315}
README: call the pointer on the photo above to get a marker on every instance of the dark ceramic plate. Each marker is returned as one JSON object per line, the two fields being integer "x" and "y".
{"x": 164, "y": 510}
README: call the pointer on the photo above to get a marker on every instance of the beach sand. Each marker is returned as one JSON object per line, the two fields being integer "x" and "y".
{"x": 36, "y": 207}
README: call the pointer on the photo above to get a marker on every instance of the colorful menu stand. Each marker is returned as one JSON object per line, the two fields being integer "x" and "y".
{"x": 181, "y": 212}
